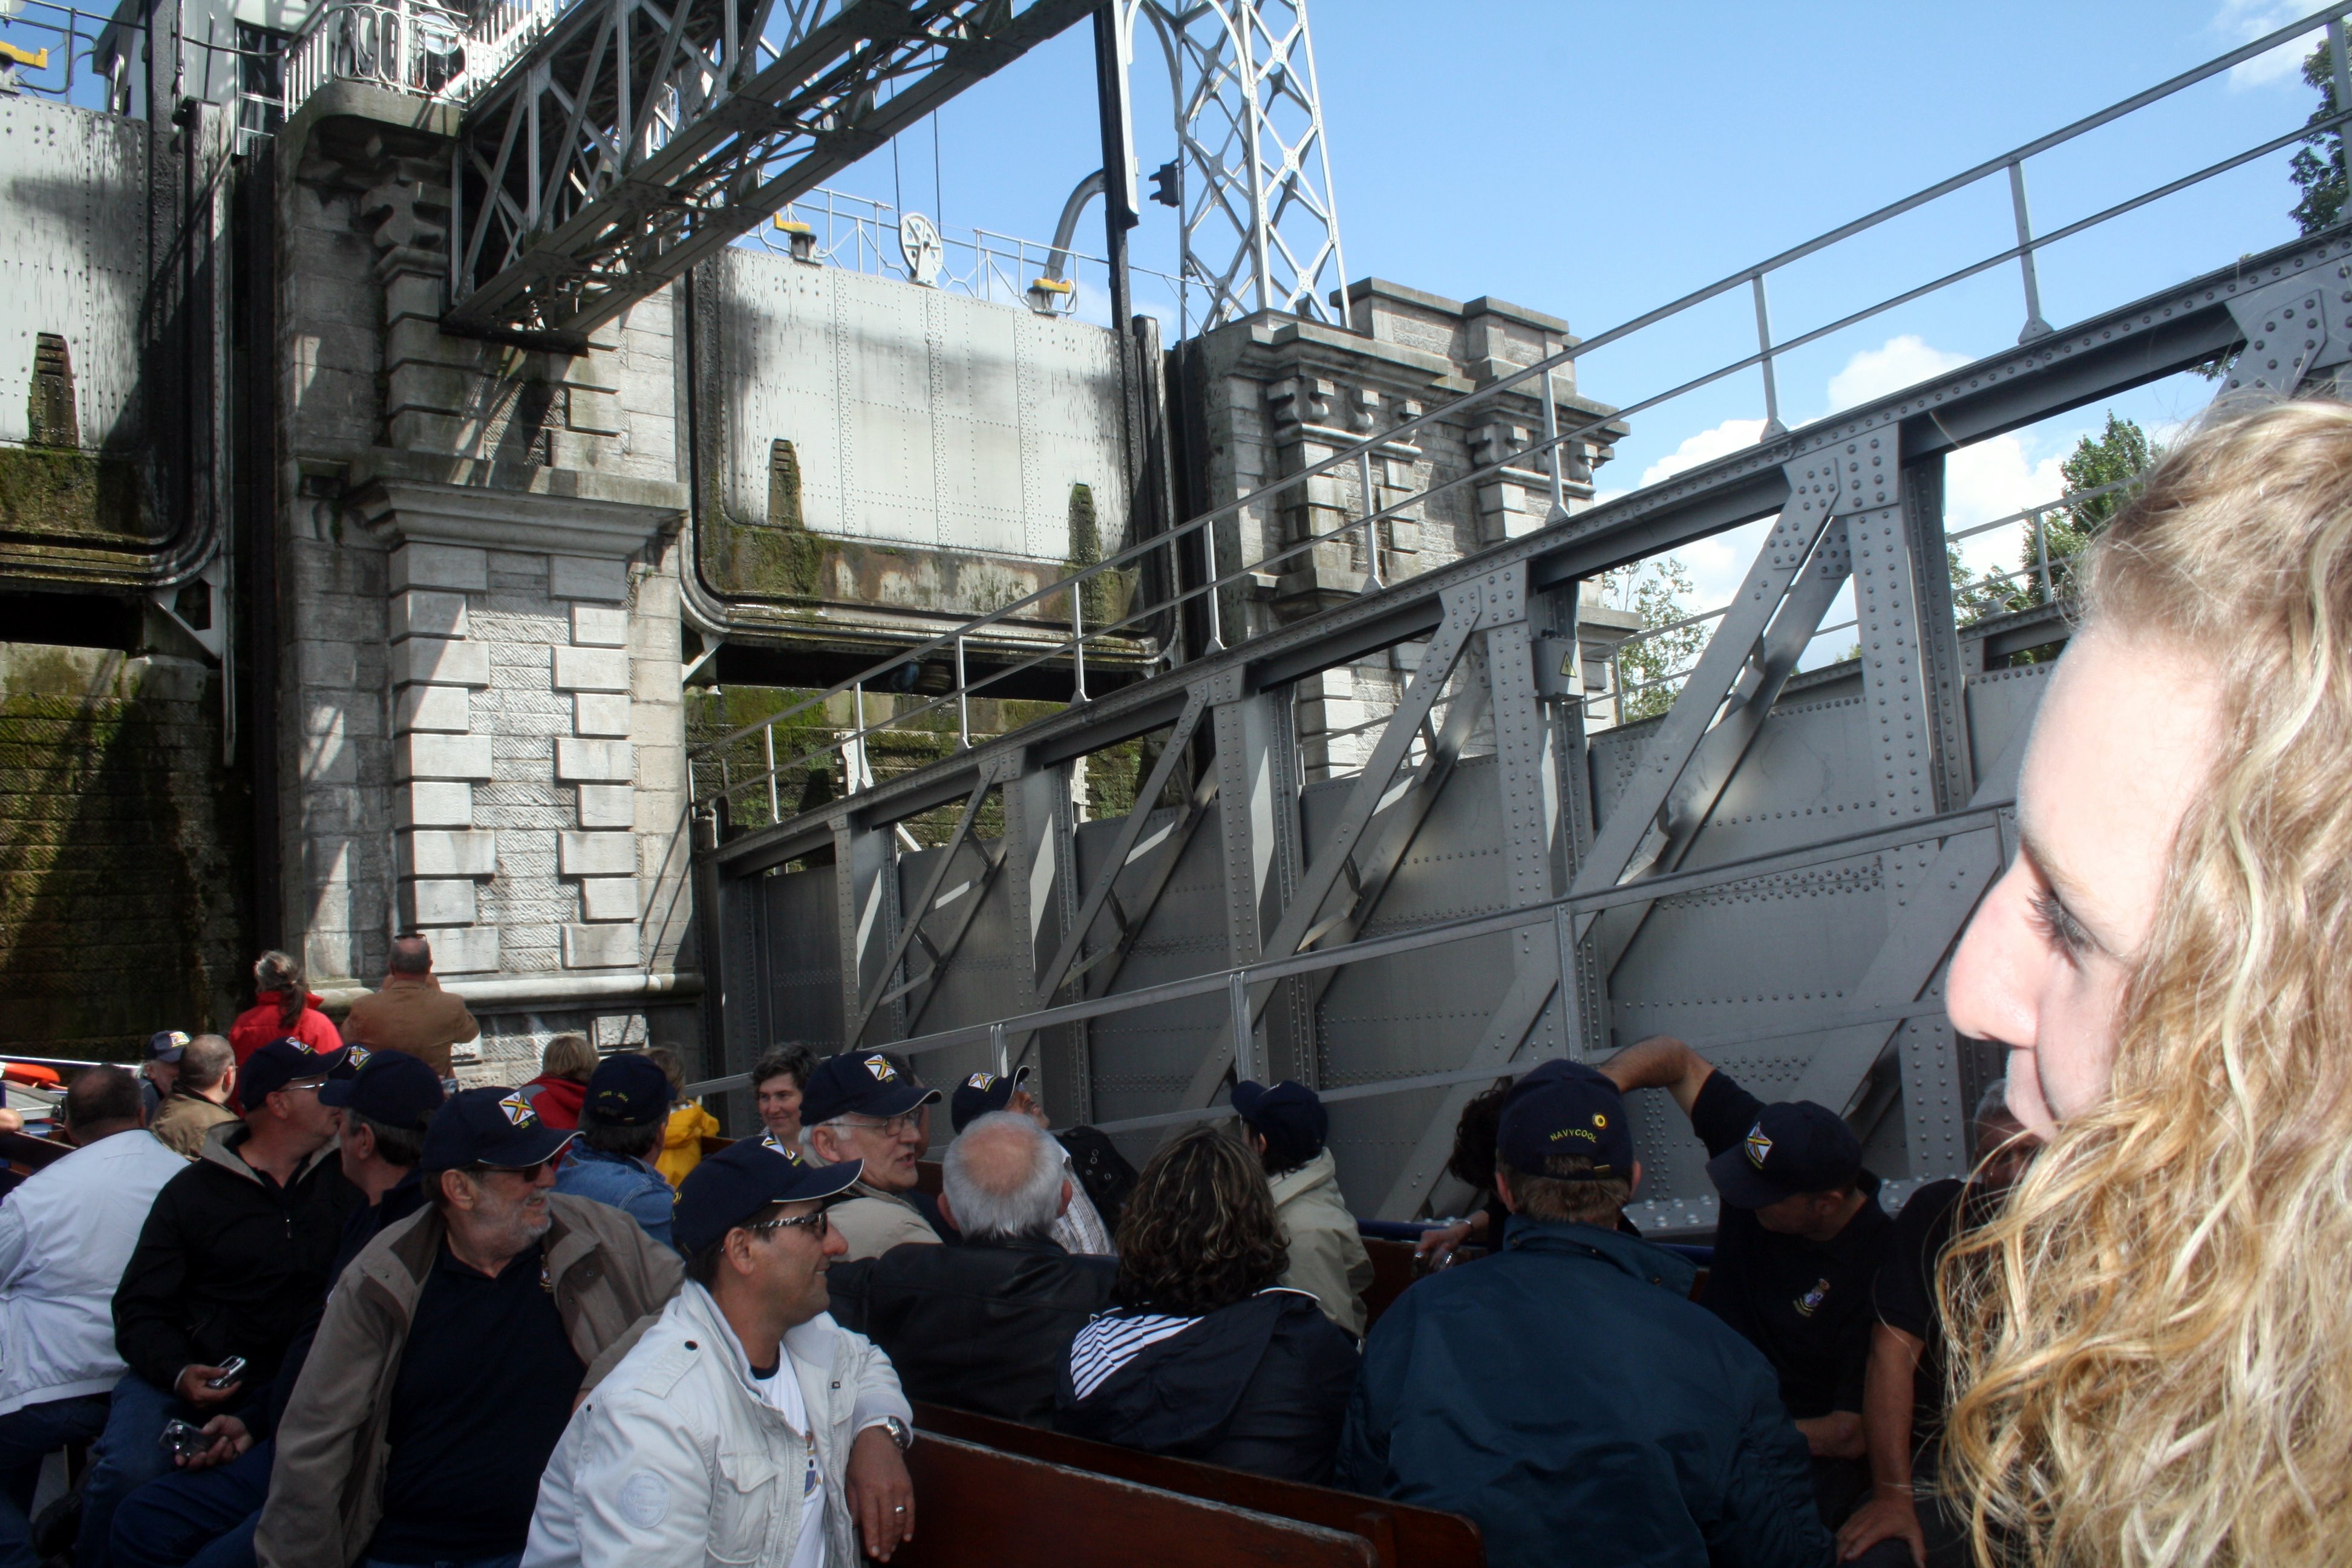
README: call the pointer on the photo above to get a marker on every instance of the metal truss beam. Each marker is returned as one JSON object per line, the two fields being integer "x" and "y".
{"x": 2095, "y": 359}
{"x": 910, "y": 930}
{"x": 638, "y": 137}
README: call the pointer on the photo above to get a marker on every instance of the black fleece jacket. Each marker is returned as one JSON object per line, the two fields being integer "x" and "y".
{"x": 985, "y": 1326}
{"x": 230, "y": 1264}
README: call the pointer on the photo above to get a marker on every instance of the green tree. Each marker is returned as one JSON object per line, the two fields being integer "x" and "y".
{"x": 2118, "y": 453}
{"x": 2317, "y": 169}
{"x": 1658, "y": 590}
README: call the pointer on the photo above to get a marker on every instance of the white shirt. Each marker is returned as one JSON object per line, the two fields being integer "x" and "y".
{"x": 1080, "y": 1228}
{"x": 782, "y": 1392}
{"x": 66, "y": 1235}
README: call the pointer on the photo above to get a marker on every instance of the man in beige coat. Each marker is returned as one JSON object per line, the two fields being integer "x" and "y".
{"x": 1287, "y": 1125}
{"x": 470, "y": 1327}
{"x": 411, "y": 1013}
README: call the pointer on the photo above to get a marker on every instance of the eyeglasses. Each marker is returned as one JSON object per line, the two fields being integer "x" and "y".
{"x": 890, "y": 1127}
{"x": 816, "y": 1223}
{"x": 528, "y": 1173}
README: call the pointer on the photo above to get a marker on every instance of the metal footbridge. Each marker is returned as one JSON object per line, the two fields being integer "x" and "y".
{"x": 1776, "y": 869}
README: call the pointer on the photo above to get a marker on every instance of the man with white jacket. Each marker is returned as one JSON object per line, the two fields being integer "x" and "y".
{"x": 745, "y": 1426}
{"x": 1286, "y": 1126}
{"x": 65, "y": 1237}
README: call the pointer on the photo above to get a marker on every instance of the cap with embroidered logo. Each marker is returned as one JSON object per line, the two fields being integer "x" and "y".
{"x": 1566, "y": 1108}
{"x": 391, "y": 1086}
{"x": 493, "y": 1127}
{"x": 731, "y": 1187}
{"x": 983, "y": 1092}
{"x": 862, "y": 1083}
{"x": 281, "y": 1062}
{"x": 1792, "y": 1147}
{"x": 166, "y": 1045}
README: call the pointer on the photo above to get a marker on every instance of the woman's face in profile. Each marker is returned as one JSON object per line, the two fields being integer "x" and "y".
{"x": 2125, "y": 734}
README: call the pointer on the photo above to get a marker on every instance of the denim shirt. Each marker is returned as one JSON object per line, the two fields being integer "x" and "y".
{"x": 630, "y": 1185}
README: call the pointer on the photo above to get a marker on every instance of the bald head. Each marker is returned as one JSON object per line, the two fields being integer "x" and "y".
{"x": 102, "y": 1101}
{"x": 1003, "y": 1179}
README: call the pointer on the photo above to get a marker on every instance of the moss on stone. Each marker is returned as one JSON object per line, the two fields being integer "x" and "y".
{"x": 70, "y": 494}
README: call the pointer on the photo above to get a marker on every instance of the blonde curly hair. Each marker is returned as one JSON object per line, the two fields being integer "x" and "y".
{"x": 2152, "y": 1343}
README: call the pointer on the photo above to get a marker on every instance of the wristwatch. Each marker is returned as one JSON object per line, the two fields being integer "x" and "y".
{"x": 900, "y": 1433}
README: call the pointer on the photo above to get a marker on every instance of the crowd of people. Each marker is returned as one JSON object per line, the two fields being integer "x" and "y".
{"x": 307, "y": 1301}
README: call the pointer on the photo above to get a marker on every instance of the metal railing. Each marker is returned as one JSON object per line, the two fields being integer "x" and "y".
{"x": 1062, "y": 600}
{"x": 61, "y": 40}
{"x": 2043, "y": 579}
{"x": 412, "y": 47}
{"x": 865, "y": 235}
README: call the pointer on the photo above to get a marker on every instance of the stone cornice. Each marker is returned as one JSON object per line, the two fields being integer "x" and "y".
{"x": 408, "y": 496}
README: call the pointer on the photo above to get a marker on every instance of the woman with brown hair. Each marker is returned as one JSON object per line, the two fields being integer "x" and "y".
{"x": 1204, "y": 1357}
{"x": 282, "y": 1008}
{"x": 2153, "y": 1342}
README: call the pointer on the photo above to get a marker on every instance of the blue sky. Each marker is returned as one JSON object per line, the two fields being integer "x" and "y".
{"x": 1595, "y": 161}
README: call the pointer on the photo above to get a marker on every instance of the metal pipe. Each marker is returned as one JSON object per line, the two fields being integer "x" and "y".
{"x": 2041, "y": 556}
{"x": 1216, "y": 629}
{"x": 1551, "y": 449}
{"x": 775, "y": 807}
{"x": 2341, "y": 69}
{"x": 1373, "y": 584}
{"x": 1078, "y": 640}
{"x": 963, "y": 700}
{"x": 1773, "y": 426}
{"x": 2035, "y": 327}
{"x": 1245, "y": 1033}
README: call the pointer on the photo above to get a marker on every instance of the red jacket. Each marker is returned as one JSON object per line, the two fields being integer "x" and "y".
{"x": 557, "y": 1101}
{"x": 258, "y": 1025}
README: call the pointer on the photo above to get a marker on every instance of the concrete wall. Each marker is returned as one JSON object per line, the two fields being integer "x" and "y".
{"x": 938, "y": 444}
{"x": 120, "y": 908}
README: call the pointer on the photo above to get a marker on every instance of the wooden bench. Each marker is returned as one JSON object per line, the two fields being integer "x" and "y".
{"x": 1394, "y": 1269}
{"x": 1398, "y": 1534}
{"x": 978, "y": 1507}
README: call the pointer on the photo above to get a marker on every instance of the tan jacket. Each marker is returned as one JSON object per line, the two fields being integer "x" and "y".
{"x": 412, "y": 1014}
{"x": 875, "y": 1221}
{"x": 182, "y": 1120}
{"x": 326, "y": 1489}
{"x": 1327, "y": 1260}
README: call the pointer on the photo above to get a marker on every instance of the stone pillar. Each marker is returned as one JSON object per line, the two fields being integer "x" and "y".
{"x": 1280, "y": 395}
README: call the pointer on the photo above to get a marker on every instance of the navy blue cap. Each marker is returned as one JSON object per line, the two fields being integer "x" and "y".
{"x": 861, "y": 1083}
{"x": 495, "y": 1127}
{"x": 730, "y": 1187}
{"x": 165, "y": 1044}
{"x": 982, "y": 1093}
{"x": 1795, "y": 1146}
{"x": 281, "y": 1062}
{"x": 1566, "y": 1108}
{"x": 390, "y": 1086}
{"x": 1289, "y": 1116}
{"x": 628, "y": 1090}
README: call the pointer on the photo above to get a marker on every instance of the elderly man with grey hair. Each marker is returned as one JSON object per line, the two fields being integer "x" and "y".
{"x": 986, "y": 1326}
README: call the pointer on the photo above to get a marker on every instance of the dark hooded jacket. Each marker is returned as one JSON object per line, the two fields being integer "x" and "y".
{"x": 985, "y": 1326}
{"x": 1567, "y": 1397}
{"x": 1261, "y": 1385}
{"x": 230, "y": 1263}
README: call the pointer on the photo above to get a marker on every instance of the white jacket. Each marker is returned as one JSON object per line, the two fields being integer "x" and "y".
{"x": 1328, "y": 1258}
{"x": 66, "y": 1235}
{"x": 675, "y": 1460}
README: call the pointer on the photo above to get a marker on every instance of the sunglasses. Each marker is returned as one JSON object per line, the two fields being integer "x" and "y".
{"x": 815, "y": 1223}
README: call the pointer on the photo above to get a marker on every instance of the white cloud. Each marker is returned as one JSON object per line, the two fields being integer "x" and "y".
{"x": 2244, "y": 21}
{"x": 1704, "y": 448}
{"x": 1994, "y": 478}
{"x": 1894, "y": 366}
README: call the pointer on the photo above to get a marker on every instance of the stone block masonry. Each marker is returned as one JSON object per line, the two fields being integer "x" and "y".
{"x": 120, "y": 912}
